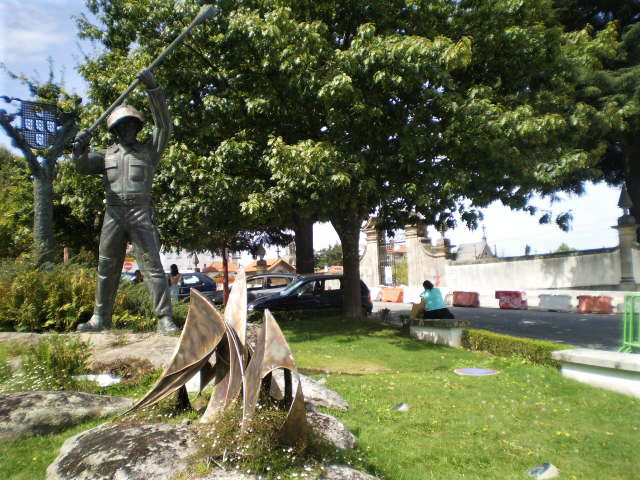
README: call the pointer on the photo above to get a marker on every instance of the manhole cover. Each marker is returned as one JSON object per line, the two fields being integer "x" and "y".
{"x": 476, "y": 372}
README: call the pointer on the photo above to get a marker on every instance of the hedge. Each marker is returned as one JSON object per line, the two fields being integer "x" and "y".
{"x": 59, "y": 297}
{"x": 536, "y": 351}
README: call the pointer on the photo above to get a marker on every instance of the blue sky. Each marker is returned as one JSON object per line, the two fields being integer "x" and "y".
{"x": 31, "y": 31}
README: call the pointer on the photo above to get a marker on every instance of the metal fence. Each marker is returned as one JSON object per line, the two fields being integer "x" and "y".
{"x": 631, "y": 324}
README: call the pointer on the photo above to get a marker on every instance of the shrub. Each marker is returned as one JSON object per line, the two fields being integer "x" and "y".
{"x": 53, "y": 361}
{"x": 45, "y": 299}
{"x": 535, "y": 351}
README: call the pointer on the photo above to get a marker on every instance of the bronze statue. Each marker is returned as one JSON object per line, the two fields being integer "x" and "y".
{"x": 128, "y": 168}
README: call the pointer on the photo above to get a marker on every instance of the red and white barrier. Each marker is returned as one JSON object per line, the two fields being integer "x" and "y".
{"x": 391, "y": 294}
{"x": 594, "y": 304}
{"x": 513, "y": 300}
{"x": 466, "y": 299}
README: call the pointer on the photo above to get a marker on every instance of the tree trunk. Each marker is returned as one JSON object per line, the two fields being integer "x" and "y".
{"x": 304, "y": 245}
{"x": 43, "y": 239}
{"x": 348, "y": 230}
{"x": 225, "y": 274}
{"x": 632, "y": 177}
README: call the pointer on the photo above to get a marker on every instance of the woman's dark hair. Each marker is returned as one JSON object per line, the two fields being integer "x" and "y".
{"x": 427, "y": 285}
{"x": 174, "y": 269}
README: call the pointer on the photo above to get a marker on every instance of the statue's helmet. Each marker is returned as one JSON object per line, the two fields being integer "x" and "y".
{"x": 120, "y": 113}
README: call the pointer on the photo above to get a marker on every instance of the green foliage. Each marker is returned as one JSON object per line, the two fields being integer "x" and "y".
{"x": 563, "y": 247}
{"x": 328, "y": 256}
{"x": 133, "y": 309}
{"x": 16, "y": 206}
{"x": 5, "y": 370}
{"x": 535, "y": 351}
{"x": 258, "y": 451}
{"x": 28, "y": 458}
{"x": 334, "y": 110}
{"x": 61, "y": 297}
{"x": 45, "y": 299}
{"x": 401, "y": 270}
{"x": 51, "y": 363}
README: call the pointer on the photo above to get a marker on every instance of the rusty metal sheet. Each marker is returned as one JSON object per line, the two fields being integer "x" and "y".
{"x": 272, "y": 352}
{"x": 203, "y": 330}
{"x": 294, "y": 430}
{"x": 231, "y": 368}
{"x": 235, "y": 312}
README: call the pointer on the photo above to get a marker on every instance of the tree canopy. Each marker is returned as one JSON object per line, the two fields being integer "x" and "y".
{"x": 336, "y": 110}
{"x": 615, "y": 86}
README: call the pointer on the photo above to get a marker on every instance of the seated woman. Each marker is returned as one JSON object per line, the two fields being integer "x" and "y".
{"x": 434, "y": 306}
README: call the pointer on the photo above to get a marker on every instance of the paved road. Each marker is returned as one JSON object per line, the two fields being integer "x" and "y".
{"x": 581, "y": 330}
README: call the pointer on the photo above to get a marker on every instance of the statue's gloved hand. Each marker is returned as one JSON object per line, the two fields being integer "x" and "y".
{"x": 81, "y": 142}
{"x": 147, "y": 79}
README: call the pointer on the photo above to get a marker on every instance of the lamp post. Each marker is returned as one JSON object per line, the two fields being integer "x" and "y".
{"x": 627, "y": 231}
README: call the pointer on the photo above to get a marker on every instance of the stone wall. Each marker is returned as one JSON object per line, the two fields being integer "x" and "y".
{"x": 591, "y": 268}
{"x": 598, "y": 269}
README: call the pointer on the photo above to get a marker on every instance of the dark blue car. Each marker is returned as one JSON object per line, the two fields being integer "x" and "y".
{"x": 314, "y": 292}
{"x": 197, "y": 280}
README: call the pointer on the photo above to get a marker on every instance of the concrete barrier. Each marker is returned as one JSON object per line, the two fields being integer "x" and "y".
{"x": 555, "y": 303}
{"x": 616, "y": 371}
{"x": 466, "y": 299}
{"x": 512, "y": 300}
{"x": 375, "y": 293}
{"x": 391, "y": 294}
{"x": 594, "y": 304}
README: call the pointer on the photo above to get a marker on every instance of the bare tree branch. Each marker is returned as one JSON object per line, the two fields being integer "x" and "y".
{"x": 21, "y": 143}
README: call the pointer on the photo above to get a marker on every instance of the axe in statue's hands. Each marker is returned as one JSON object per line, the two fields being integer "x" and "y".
{"x": 145, "y": 76}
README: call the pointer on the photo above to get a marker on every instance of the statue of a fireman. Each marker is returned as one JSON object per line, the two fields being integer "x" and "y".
{"x": 128, "y": 168}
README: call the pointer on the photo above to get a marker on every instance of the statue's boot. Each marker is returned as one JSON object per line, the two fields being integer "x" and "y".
{"x": 166, "y": 326}
{"x": 97, "y": 323}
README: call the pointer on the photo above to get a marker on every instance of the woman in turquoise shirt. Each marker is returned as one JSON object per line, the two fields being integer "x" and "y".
{"x": 434, "y": 306}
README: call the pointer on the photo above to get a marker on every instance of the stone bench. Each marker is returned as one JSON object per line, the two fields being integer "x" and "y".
{"x": 439, "y": 331}
{"x": 616, "y": 371}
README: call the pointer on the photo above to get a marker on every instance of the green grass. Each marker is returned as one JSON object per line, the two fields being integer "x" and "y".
{"x": 28, "y": 458}
{"x": 457, "y": 427}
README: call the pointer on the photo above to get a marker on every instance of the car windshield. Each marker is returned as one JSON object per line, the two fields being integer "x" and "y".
{"x": 294, "y": 286}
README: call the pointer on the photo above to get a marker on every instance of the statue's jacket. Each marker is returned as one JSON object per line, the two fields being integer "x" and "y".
{"x": 128, "y": 170}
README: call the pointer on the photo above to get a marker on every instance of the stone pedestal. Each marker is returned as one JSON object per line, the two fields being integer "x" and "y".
{"x": 369, "y": 263}
{"x": 627, "y": 240}
{"x": 425, "y": 261}
{"x": 261, "y": 266}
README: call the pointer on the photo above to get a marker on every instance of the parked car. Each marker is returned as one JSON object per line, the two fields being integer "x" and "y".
{"x": 264, "y": 284}
{"x": 312, "y": 292}
{"x": 197, "y": 280}
{"x": 128, "y": 276}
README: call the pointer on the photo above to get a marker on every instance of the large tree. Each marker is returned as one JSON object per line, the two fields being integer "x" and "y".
{"x": 431, "y": 108}
{"x": 16, "y": 205}
{"x": 334, "y": 110}
{"x": 42, "y": 163}
{"x": 614, "y": 87}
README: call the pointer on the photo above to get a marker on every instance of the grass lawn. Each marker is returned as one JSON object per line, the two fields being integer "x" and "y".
{"x": 457, "y": 427}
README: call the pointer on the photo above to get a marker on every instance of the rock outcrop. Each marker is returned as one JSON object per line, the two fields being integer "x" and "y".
{"x": 314, "y": 392}
{"x": 330, "y": 430}
{"x": 39, "y": 413}
{"x": 122, "y": 451}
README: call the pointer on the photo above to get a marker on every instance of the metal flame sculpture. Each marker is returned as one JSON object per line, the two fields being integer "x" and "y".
{"x": 209, "y": 336}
